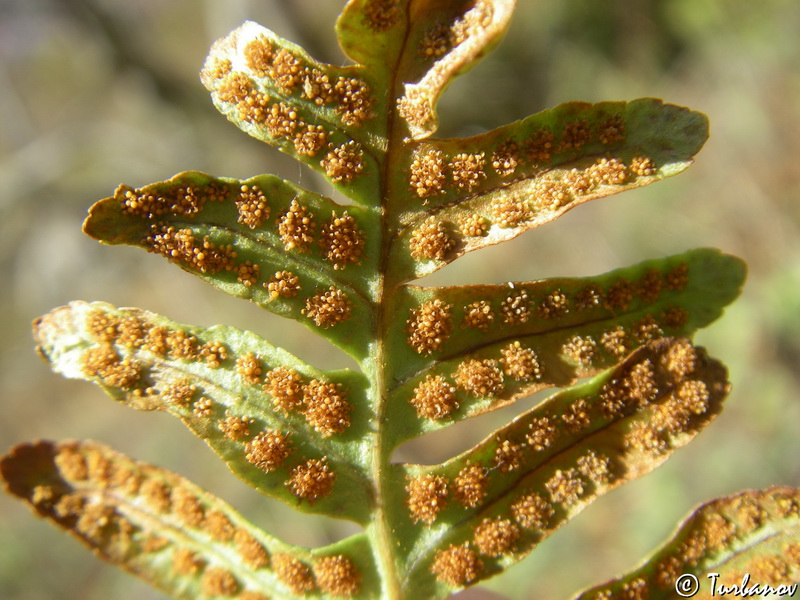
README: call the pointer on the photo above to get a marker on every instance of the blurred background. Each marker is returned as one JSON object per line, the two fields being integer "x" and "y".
{"x": 98, "y": 92}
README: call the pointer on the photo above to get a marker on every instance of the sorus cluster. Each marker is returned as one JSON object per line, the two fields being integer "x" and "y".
{"x": 335, "y": 575}
{"x": 382, "y": 15}
{"x": 457, "y": 565}
{"x": 328, "y": 308}
{"x": 342, "y": 241}
{"x": 431, "y": 241}
{"x": 312, "y": 479}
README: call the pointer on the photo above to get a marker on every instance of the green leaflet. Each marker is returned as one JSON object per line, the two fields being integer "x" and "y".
{"x": 745, "y": 544}
{"x": 494, "y": 344}
{"x": 166, "y": 530}
{"x": 258, "y": 407}
{"x": 292, "y": 252}
{"x": 475, "y": 192}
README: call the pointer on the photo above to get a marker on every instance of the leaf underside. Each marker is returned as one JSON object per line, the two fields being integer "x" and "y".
{"x": 634, "y": 388}
{"x": 745, "y": 544}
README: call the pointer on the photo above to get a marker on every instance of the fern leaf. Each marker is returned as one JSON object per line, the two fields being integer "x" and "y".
{"x": 633, "y": 387}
